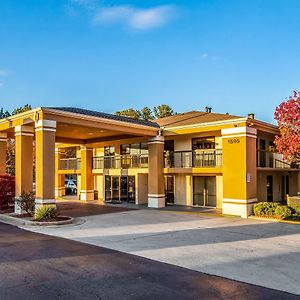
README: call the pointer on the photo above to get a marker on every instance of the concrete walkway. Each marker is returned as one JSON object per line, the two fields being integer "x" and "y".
{"x": 257, "y": 252}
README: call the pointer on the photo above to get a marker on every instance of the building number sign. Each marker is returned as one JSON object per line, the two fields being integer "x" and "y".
{"x": 233, "y": 141}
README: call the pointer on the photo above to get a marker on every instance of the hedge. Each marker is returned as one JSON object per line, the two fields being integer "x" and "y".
{"x": 276, "y": 209}
{"x": 7, "y": 191}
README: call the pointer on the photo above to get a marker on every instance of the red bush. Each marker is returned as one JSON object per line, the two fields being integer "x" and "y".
{"x": 7, "y": 191}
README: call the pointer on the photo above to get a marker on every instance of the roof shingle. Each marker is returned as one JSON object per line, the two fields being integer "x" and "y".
{"x": 92, "y": 113}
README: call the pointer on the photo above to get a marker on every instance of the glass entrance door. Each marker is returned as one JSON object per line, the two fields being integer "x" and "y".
{"x": 204, "y": 191}
{"x": 119, "y": 188}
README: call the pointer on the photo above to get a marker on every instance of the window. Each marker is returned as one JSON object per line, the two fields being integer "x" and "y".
{"x": 204, "y": 143}
{"x": 134, "y": 149}
{"x": 109, "y": 150}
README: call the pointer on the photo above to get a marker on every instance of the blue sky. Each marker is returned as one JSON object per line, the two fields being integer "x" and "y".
{"x": 235, "y": 56}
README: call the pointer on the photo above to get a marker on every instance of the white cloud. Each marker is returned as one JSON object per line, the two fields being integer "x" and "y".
{"x": 204, "y": 56}
{"x": 1, "y": 84}
{"x": 135, "y": 18}
{"x": 130, "y": 16}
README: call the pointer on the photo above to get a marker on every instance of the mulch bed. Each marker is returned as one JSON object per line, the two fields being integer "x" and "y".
{"x": 7, "y": 210}
{"x": 270, "y": 217}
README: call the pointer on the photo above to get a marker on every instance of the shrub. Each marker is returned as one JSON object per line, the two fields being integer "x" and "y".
{"x": 7, "y": 191}
{"x": 45, "y": 213}
{"x": 283, "y": 211}
{"x": 27, "y": 202}
{"x": 265, "y": 208}
{"x": 295, "y": 207}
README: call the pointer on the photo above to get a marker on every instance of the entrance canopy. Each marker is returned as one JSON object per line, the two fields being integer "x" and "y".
{"x": 47, "y": 126}
{"x": 81, "y": 126}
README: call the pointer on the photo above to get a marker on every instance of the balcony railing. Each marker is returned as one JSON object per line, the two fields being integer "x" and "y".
{"x": 70, "y": 164}
{"x": 271, "y": 159}
{"x": 120, "y": 162}
{"x": 189, "y": 159}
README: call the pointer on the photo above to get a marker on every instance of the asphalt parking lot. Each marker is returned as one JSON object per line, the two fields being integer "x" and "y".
{"x": 251, "y": 251}
{"x": 37, "y": 266}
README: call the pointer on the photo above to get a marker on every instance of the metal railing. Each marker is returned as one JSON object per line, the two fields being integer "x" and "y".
{"x": 70, "y": 164}
{"x": 271, "y": 159}
{"x": 120, "y": 162}
{"x": 196, "y": 159}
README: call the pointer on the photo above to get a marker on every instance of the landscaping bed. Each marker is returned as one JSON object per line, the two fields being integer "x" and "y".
{"x": 277, "y": 211}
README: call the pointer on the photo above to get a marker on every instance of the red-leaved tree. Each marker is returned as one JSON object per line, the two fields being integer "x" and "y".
{"x": 287, "y": 114}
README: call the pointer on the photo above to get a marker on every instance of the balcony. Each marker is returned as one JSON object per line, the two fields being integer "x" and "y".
{"x": 70, "y": 164}
{"x": 271, "y": 159}
{"x": 120, "y": 162}
{"x": 193, "y": 159}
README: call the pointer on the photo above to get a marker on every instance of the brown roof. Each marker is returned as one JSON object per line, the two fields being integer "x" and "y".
{"x": 193, "y": 117}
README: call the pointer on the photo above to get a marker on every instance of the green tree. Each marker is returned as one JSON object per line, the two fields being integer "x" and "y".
{"x": 162, "y": 111}
{"x": 4, "y": 114}
{"x": 10, "y": 158}
{"x": 21, "y": 109}
{"x": 146, "y": 113}
{"x": 130, "y": 113}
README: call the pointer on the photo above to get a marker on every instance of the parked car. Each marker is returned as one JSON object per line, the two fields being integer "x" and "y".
{"x": 71, "y": 187}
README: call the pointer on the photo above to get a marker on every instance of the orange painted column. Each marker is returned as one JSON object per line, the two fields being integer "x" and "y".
{"x": 239, "y": 170}
{"x": 59, "y": 178}
{"x": 156, "y": 190}
{"x": 45, "y": 162}
{"x": 24, "y": 159}
{"x": 3, "y": 152}
{"x": 87, "y": 178}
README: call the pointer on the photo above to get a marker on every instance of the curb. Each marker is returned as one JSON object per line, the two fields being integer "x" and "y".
{"x": 7, "y": 219}
{"x": 274, "y": 220}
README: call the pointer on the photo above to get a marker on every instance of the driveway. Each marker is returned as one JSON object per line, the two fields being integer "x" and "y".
{"x": 257, "y": 252}
{"x": 36, "y": 266}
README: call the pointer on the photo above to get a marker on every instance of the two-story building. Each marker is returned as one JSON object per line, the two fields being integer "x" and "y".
{"x": 194, "y": 159}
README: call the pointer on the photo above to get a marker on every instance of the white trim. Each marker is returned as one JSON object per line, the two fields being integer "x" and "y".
{"x": 156, "y": 195}
{"x": 45, "y": 129}
{"x": 24, "y": 134}
{"x": 23, "y": 130}
{"x": 45, "y": 123}
{"x": 238, "y": 130}
{"x": 157, "y": 140}
{"x": 156, "y": 143}
{"x": 239, "y": 201}
{"x": 239, "y": 135}
{"x": 233, "y": 121}
{"x": 3, "y": 140}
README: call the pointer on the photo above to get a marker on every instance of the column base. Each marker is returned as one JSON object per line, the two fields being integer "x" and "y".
{"x": 156, "y": 201}
{"x": 238, "y": 207}
{"x": 59, "y": 192}
{"x": 87, "y": 195}
{"x": 18, "y": 210}
{"x": 41, "y": 202}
